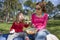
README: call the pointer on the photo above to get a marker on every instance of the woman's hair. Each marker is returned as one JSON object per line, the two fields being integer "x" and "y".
{"x": 42, "y": 5}
{"x": 17, "y": 17}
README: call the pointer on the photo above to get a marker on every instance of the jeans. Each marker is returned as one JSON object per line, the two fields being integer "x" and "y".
{"x": 21, "y": 34}
{"x": 41, "y": 35}
{"x": 2, "y": 38}
{"x": 18, "y": 38}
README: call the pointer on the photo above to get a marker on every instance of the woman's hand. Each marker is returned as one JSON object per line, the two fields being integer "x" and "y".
{"x": 33, "y": 25}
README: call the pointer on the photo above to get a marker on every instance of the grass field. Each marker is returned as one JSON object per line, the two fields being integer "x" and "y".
{"x": 53, "y": 26}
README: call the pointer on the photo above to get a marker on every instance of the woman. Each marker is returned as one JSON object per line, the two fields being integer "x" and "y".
{"x": 39, "y": 21}
{"x": 17, "y": 27}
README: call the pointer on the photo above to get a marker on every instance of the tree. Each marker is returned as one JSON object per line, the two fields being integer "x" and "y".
{"x": 58, "y": 6}
{"x": 31, "y": 6}
{"x": 11, "y": 6}
{"x": 1, "y": 9}
{"x": 28, "y": 3}
{"x": 49, "y": 7}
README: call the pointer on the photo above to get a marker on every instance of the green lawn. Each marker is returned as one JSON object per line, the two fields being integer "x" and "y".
{"x": 5, "y": 27}
{"x": 53, "y": 26}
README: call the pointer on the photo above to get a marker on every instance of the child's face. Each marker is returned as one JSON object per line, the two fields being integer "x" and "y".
{"x": 21, "y": 17}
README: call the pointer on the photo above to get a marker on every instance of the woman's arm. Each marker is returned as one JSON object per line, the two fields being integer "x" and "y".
{"x": 45, "y": 21}
{"x": 33, "y": 20}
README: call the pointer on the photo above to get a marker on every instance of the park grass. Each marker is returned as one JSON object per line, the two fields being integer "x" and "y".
{"x": 53, "y": 26}
{"x": 5, "y": 27}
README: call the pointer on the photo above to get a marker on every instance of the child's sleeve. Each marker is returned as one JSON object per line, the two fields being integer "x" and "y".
{"x": 13, "y": 26}
{"x": 26, "y": 25}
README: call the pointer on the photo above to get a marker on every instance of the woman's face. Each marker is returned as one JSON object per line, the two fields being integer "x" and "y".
{"x": 38, "y": 9}
{"x": 21, "y": 17}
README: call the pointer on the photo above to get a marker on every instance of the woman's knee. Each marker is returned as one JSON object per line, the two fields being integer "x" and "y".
{"x": 18, "y": 38}
{"x": 41, "y": 34}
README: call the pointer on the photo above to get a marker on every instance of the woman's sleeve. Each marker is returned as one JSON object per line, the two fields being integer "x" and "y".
{"x": 45, "y": 21}
{"x": 32, "y": 20}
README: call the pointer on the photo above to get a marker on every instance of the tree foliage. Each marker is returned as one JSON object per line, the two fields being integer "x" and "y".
{"x": 58, "y": 6}
{"x": 49, "y": 6}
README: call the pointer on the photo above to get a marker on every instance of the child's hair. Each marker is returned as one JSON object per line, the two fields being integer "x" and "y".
{"x": 41, "y": 4}
{"x": 17, "y": 17}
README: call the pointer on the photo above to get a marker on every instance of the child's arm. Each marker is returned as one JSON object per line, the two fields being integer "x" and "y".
{"x": 12, "y": 29}
{"x": 26, "y": 25}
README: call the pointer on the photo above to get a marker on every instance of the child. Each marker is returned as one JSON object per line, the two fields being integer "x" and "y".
{"x": 17, "y": 27}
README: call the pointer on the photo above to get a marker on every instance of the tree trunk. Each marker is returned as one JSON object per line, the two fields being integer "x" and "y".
{"x": 7, "y": 18}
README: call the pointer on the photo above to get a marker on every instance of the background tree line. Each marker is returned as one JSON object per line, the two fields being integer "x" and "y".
{"x": 9, "y": 8}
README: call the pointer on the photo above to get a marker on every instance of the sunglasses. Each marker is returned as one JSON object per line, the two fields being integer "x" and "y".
{"x": 37, "y": 8}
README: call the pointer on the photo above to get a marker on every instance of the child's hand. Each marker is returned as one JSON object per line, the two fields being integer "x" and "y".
{"x": 12, "y": 31}
{"x": 26, "y": 38}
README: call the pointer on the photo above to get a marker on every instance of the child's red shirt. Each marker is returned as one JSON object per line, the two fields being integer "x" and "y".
{"x": 18, "y": 27}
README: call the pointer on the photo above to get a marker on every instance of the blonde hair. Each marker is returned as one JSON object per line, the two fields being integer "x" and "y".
{"x": 17, "y": 17}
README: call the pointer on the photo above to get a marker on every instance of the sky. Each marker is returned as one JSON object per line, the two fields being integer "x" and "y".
{"x": 2, "y": 0}
{"x": 55, "y": 2}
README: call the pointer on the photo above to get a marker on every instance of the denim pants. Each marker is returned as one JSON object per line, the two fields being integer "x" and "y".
{"x": 18, "y": 38}
{"x": 2, "y": 38}
{"x": 16, "y": 35}
{"x": 41, "y": 35}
